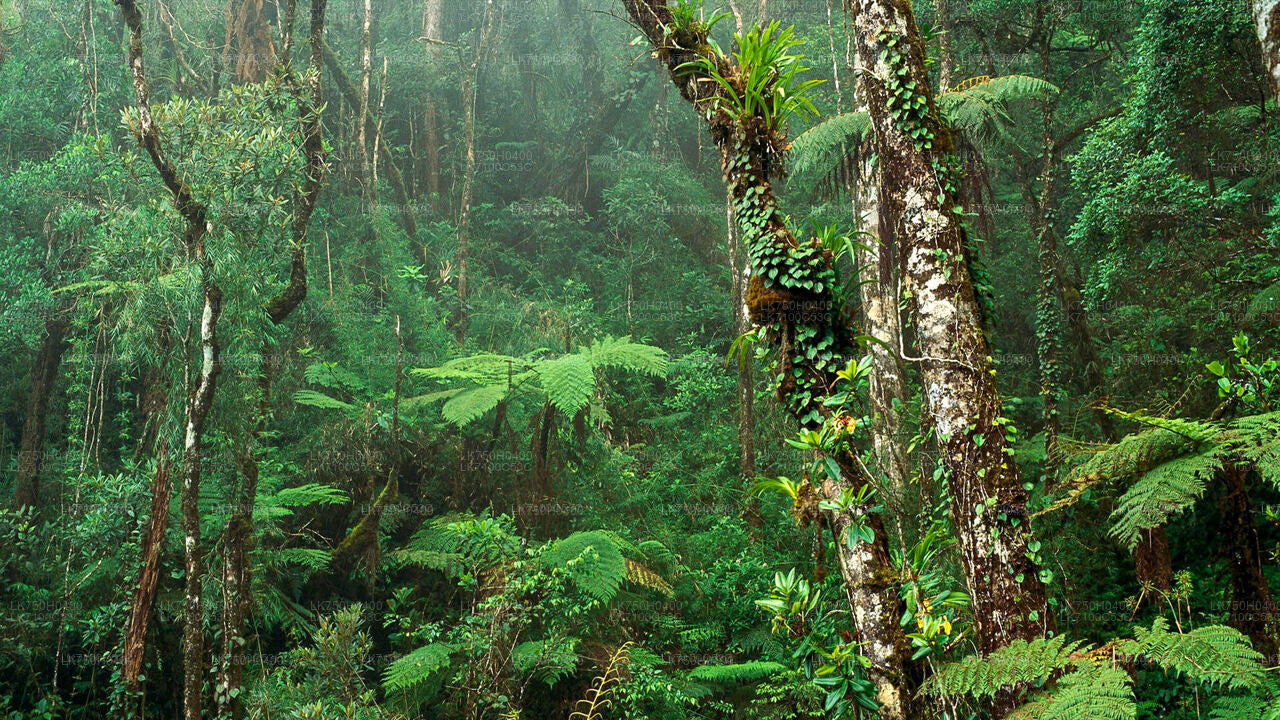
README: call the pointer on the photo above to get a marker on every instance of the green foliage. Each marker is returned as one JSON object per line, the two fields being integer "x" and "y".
{"x": 416, "y": 668}
{"x": 1213, "y": 654}
{"x": 735, "y": 674}
{"x": 593, "y": 561}
{"x": 1021, "y": 663}
{"x": 1091, "y": 691}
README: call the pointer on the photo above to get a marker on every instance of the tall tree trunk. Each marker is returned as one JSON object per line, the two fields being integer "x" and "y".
{"x": 946, "y": 58}
{"x": 433, "y": 31}
{"x": 31, "y": 448}
{"x": 362, "y": 126}
{"x": 915, "y": 153}
{"x": 237, "y": 594}
{"x": 739, "y": 277}
{"x": 250, "y": 50}
{"x": 1049, "y": 292}
{"x": 204, "y": 383}
{"x": 810, "y": 338}
{"x": 470, "y": 81}
{"x": 1252, "y": 610}
{"x": 144, "y": 596}
{"x": 1266, "y": 19}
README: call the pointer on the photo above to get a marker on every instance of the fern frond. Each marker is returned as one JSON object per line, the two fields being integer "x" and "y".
{"x": 414, "y": 669}
{"x": 1163, "y": 491}
{"x": 735, "y": 674}
{"x": 1091, "y": 692}
{"x": 1017, "y": 664}
{"x": 549, "y": 661}
{"x": 315, "y": 398}
{"x": 592, "y": 706}
{"x": 621, "y": 353}
{"x": 334, "y": 377}
{"x": 470, "y": 405}
{"x": 820, "y": 149}
{"x": 569, "y": 381}
{"x": 1215, "y": 654}
{"x": 641, "y": 575}
{"x": 595, "y": 564}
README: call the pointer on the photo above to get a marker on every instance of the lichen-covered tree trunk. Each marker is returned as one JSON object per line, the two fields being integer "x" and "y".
{"x": 1266, "y": 20}
{"x": 915, "y": 153}
{"x": 739, "y": 277}
{"x": 789, "y": 298}
{"x": 1049, "y": 291}
{"x": 881, "y": 321}
{"x": 31, "y": 448}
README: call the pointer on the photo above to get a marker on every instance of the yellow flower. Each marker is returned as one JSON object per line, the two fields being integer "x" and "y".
{"x": 946, "y": 626}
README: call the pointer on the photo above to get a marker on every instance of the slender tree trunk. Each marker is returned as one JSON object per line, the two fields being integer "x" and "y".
{"x": 797, "y": 324}
{"x": 433, "y": 31}
{"x": 362, "y": 126}
{"x": 237, "y": 586}
{"x": 1252, "y": 610}
{"x": 144, "y": 596}
{"x": 470, "y": 81}
{"x": 739, "y": 276}
{"x": 1049, "y": 292}
{"x": 1266, "y": 19}
{"x": 946, "y": 58}
{"x": 31, "y": 448}
{"x": 204, "y": 384}
{"x": 915, "y": 153}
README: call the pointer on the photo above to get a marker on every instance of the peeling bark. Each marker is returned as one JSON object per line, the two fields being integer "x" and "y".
{"x": 250, "y": 51}
{"x": 988, "y": 506}
{"x": 144, "y": 596}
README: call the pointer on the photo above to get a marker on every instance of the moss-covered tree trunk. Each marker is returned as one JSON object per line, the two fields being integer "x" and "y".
{"x": 915, "y": 153}
{"x": 789, "y": 297}
{"x": 1252, "y": 611}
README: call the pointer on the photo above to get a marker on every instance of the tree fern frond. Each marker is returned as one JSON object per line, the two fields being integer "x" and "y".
{"x": 1214, "y": 654}
{"x": 621, "y": 353}
{"x": 569, "y": 381}
{"x": 1018, "y": 663}
{"x": 735, "y": 674}
{"x": 641, "y": 575}
{"x": 1163, "y": 491}
{"x": 549, "y": 661}
{"x": 318, "y": 399}
{"x": 821, "y": 148}
{"x": 414, "y": 669}
{"x": 310, "y": 558}
{"x": 1091, "y": 692}
{"x": 1238, "y": 707}
{"x": 595, "y": 564}
{"x": 334, "y": 377}
{"x": 470, "y": 405}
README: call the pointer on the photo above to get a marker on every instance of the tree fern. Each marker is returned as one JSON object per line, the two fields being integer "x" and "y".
{"x": 470, "y": 405}
{"x": 315, "y": 398}
{"x": 594, "y": 563}
{"x": 622, "y": 354}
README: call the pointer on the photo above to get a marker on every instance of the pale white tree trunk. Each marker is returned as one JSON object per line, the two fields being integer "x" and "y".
{"x": 1266, "y": 20}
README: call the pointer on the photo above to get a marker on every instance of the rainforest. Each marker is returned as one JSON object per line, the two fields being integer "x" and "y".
{"x": 639, "y": 359}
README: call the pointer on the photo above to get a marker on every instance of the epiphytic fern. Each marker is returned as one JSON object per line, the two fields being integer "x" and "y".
{"x": 598, "y": 700}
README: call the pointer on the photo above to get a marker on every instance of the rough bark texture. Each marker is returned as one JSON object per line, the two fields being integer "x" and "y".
{"x": 988, "y": 506}
{"x": 1049, "y": 292}
{"x": 739, "y": 277}
{"x": 144, "y": 596}
{"x": 250, "y": 52}
{"x": 204, "y": 384}
{"x": 31, "y": 448}
{"x": 1266, "y": 20}
{"x": 807, "y": 333}
{"x": 1252, "y": 611}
